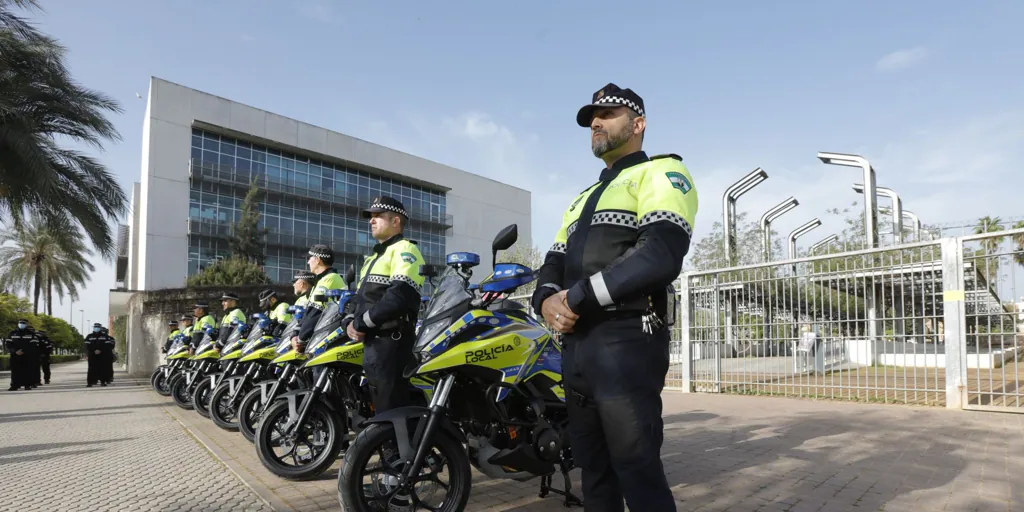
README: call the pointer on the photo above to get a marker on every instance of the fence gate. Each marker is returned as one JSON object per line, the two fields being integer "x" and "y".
{"x": 991, "y": 320}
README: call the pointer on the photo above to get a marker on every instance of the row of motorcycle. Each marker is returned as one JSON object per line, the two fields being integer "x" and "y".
{"x": 484, "y": 381}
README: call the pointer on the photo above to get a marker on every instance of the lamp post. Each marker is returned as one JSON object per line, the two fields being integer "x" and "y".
{"x": 897, "y": 209}
{"x": 82, "y": 312}
{"x": 766, "y": 223}
{"x": 729, "y": 198}
{"x": 823, "y": 243}
{"x": 915, "y": 221}
{"x": 870, "y": 218}
{"x": 799, "y": 232}
{"x": 872, "y": 298}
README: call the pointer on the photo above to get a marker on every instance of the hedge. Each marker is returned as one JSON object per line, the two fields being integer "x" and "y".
{"x": 5, "y": 360}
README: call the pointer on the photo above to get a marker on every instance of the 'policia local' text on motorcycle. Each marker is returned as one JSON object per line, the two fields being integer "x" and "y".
{"x": 498, "y": 392}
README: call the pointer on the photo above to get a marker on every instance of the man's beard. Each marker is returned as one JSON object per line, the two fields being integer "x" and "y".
{"x": 610, "y": 141}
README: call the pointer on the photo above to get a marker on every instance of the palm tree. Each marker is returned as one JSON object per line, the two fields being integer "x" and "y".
{"x": 1018, "y": 240}
{"x": 39, "y": 260}
{"x": 39, "y": 103}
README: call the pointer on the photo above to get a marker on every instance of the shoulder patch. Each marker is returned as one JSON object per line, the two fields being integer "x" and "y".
{"x": 679, "y": 181}
{"x": 667, "y": 155}
{"x": 408, "y": 257}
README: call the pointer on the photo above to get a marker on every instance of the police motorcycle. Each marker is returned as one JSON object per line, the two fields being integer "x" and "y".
{"x": 227, "y": 367}
{"x": 283, "y": 368}
{"x": 498, "y": 391}
{"x": 177, "y": 358}
{"x": 202, "y": 362}
{"x": 254, "y": 361}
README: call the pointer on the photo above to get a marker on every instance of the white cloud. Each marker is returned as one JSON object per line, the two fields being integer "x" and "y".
{"x": 901, "y": 59}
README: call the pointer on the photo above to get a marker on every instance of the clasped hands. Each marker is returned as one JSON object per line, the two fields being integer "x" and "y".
{"x": 557, "y": 314}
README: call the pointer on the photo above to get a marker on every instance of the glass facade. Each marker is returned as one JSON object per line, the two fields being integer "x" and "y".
{"x": 305, "y": 202}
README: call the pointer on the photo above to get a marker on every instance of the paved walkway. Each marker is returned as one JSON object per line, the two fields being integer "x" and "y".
{"x": 67, "y": 447}
{"x": 123, "y": 450}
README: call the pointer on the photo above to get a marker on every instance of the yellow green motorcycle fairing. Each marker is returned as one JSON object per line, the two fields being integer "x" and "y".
{"x": 267, "y": 354}
{"x": 514, "y": 344}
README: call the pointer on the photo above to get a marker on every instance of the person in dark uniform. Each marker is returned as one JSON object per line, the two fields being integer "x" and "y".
{"x": 111, "y": 356}
{"x": 18, "y": 342}
{"x": 45, "y": 351}
{"x": 321, "y": 261}
{"x": 172, "y": 326}
{"x": 94, "y": 348}
{"x": 33, "y": 359}
{"x": 605, "y": 285}
{"x": 388, "y": 302}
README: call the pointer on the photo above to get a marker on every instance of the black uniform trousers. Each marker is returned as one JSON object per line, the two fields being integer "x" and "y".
{"x": 44, "y": 364}
{"x": 33, "y": 371}
{"x": 384, "y": 359}
{"x": 19, "y": 370}
{"x": 613, "y": 374}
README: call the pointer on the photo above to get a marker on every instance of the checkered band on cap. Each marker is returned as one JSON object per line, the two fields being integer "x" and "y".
{"x": 319, "y": 253}
{"x": 389, "y": 208}
{"x": 621, "y": 101}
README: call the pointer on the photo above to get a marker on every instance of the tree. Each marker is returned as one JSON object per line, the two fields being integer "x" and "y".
{"x": 709, "y": 252}
{"x": 42, "y": 260}
{"x": 247, "y": 240}
{"x": 233, "y": 271}
{"x": 1018, "y": 241}
{"x": 39, "y": 104}
{"x": 62, "y": 334}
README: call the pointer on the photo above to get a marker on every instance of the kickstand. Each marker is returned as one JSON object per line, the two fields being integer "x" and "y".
{"x": 570, "y": 498}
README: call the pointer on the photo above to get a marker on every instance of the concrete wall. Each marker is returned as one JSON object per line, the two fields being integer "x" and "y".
{"x": 480, "y": 206}
{"x": 149, "y": 312}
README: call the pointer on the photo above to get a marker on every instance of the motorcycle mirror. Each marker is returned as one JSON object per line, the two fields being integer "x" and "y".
{"x": 350, "y": 276}
{"x": 428, "y": 271}
{"x": 503, "y": 240}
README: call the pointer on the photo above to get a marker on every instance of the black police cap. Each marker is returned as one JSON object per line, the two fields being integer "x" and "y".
{"x": 304, "y": 275}
{"x": 610, "y": 96}
{"x": 229, "y": 296}
{"x": 321, "y": 251}
{"x": 385, "y": 204}
{"x": 97, "y": 324}
{"x": 265, "y": 295}
{"x": 172, "y": 323}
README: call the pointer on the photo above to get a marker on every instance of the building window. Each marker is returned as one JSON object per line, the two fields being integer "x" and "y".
{"x": 216, "y": 205}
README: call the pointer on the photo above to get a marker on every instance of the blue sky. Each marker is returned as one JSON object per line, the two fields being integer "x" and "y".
{"x": 930, "y": 92}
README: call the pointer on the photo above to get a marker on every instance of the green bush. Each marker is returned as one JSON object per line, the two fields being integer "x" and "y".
{"x": 62, "y": 334}
{"x": 5, "y": 360}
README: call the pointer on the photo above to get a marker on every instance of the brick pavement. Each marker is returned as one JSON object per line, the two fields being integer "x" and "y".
{"x": 721, "y": 452}
{"x": 66, "y": 447}
{"x": 741, "y": 453}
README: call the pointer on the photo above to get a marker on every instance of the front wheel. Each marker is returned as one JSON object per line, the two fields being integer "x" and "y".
{"x": 368, "y": 480}
{"x": 309, "y": 451}
{"x": 201, "y": 396}
{"x": 160, "y": 382}
{"x": 180, "y": 392}
{"x": 248, "y": 413}
{"x": 223, "y": 411}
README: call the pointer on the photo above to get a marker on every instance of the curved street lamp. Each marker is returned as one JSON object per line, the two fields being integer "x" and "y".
{"x": 897, "y": 209}
{"x": 823, "y": 243}
{"x": 766, "y": 222}
{"x": 870, "y": 218}
{"x": 729, "y": 198}
{"x": 799, "y": 232}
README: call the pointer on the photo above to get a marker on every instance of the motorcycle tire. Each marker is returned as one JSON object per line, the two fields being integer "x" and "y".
{"x": 318, "y": 411}
{"x": 369, "y": 442}
{"x": 201, "y": 397}
{"x": 219, "y": 417}
{"x": 160, "y": 383}
{"x": 180, "y": 394}
{"x": 247, "y": 410}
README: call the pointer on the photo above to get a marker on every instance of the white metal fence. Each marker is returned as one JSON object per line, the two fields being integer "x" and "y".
{"x": 930, "y": 323}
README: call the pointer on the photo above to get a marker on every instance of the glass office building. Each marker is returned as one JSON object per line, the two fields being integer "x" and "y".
{"x": 305, "y": 201}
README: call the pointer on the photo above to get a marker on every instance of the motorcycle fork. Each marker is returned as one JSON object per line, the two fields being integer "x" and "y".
{"x": 234, "y": 389}
{"x": 438, "y": 407}
{"x": 286, "y": 375}
{"x": 318, "y": 389}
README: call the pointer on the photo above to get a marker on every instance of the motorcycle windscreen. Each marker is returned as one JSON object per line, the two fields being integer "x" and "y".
{"x": 329, "y": 321}
{"x": 233, "y": 341}
{"x": 255, "y": 339}
{"x": 449, "y": 301}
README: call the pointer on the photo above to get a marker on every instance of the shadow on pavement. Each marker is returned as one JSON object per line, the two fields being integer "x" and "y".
{"x": 47, "y": 456}
{"x": 64, "y": 411}
{"x": 54, "y": 415}
{"x": 13, "y": 450}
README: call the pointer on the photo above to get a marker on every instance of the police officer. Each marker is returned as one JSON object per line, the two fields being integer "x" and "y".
{"x": 45, "y": 351}
{"x": 388, "y": 302}
{"x": 185, "y": 324}
{"x": 33, "y": 358}
{"x": 302, "y": 284}
{"x": 109, "y": 344}
{"x": 232, "y": 313}
{"x": 173, "y": 327}
{"x": 321, "y": 259}
{"x": 95, "y": 349}
{"x": 201, "y": 311}
{"x": 604, "y": 285}
{"x": 18, "y": 342}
